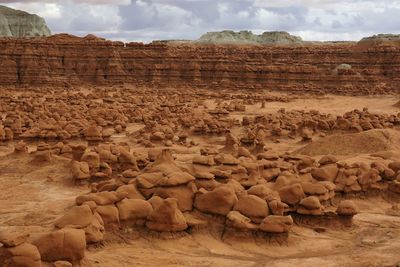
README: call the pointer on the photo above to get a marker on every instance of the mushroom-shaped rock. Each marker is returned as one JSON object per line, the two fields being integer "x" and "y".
{"x": 65, "y": 244}
{"x": 219, "y": 201}
{"x": 276, "y": 224}
{"x": 310, "y": 206}
{"x": 133, "y": 209}
{"x": 20, "y": 147}
{"x": 253, "y": 207}
{"x": 167, "y": 217}
{"x": 347, "y": 208}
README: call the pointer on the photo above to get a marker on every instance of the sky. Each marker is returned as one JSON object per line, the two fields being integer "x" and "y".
{"x": 147, "y": 20}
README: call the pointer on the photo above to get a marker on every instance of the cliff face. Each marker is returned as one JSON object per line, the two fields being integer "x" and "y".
{"x": 341, "y": 68}
{"x": 16, "y": 23}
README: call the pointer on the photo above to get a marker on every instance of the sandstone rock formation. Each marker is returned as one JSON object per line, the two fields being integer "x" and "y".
{"x": 247, "y": 37}
{"x": 16, "y": 23}
{"x": 66, "y": 60}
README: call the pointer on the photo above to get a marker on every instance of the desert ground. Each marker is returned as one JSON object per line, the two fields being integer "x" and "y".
{"x": 143, "y": 177}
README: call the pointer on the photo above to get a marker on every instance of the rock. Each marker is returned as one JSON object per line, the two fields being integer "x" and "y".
{"x": 395, "y": 186}
{"x": 219, "y": 201}
{"x": 237, "y": 220}
{"x": 253, "y": 207}
{"x": 327, "y": 159}
{"x": 76, "y": 217}
{"x": 80, "y": 170}
{"x": 109, "y": 214}
{"x": 12, "y": 238}
{"x": 131, "y": 191}
{"x": 101, "y": 198}
{"x": 92, "y": 133}
{"x": 93, "y": 160}
{"x": 310, "y": 203}
{"x": 65, "y": 244}
{"x": 23, "y": 255}
{"x": 264, "y": 192}
{"x": 247, "y": 37}
{"x": 16, "y": 23}
{"x": 176, "y": 178}
{"x": 325, "y": 173}
{"x": 62, "y": 264}
{"x": 347, "y": 208}
{"x": 133, "y": 209}
{"x": 183, "y": 193}
{"x": 310, "y": 206}
{"x": 277, "y": 207}
{"x": 276, "y": 224}
{"x": 204, "y": 160}
{"x": 167, "y": 217}
{"x": 291, "y": 194}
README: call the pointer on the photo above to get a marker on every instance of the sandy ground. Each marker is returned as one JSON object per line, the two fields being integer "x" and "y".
{"x": 33, "y": 196}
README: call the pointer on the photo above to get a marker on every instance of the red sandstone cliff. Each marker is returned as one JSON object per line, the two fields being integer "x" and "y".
{"x": 62, "y": 59}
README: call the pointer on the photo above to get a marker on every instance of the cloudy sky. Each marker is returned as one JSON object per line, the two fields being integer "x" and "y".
{"x": 146, "y": 20}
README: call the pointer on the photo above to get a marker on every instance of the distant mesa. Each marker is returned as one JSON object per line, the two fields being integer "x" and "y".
{"x": 380, "y": 39}
{"x": 247, "y": 37}
{"x": 17, "y": 23}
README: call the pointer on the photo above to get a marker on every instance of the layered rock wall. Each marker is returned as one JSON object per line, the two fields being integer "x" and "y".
{"x": 60, "y": 60}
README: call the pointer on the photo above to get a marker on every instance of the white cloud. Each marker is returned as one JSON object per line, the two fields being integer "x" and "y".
{"x": 188, "y": 19}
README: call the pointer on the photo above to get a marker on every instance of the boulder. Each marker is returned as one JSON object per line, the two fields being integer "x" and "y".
{"x": 133, "y": 209}
{"x": 325, "y": 173}
{"x": 291, "y": 194}
{"x": 65, "y": 244}
{"x": 237, "y": 220}
{"x": 183, "y": 193}
{"x": 276, "y": 224}
{"x": 347, "y": 208}
{"x": 219, "y": 201}
{"x": 167, "y": 217}
{"x": 253, "y": 207}
{"x": 22, "y": 255}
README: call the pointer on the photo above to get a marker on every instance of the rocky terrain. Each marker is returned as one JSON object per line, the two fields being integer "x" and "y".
{"x": 16, "y": 23}
{"x": 183, "y": 154}
{"x": 114, "y": 175}
{"x": 247, "y": 37}
{"x": 362, "y": 68}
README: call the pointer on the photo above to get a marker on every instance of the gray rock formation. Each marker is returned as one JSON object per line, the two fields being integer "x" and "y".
{"x": 247, "y": 37}
{"x": 16, "y": 23}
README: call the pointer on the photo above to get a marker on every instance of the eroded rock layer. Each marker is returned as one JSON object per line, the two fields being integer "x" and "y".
{"x": 346, "y": 68}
